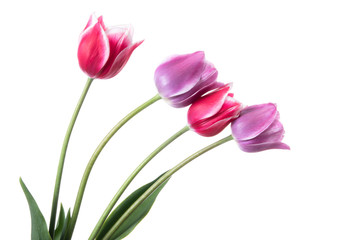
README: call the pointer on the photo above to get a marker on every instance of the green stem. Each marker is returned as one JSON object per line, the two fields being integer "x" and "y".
{"x": 162, "y": 179}
{"x": 62, "y": 157}
{"x": 95, "y": 155}
{"x": 131, "y": 177}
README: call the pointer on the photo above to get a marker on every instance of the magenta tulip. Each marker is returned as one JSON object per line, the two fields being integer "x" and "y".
{"x": 258, "y": 128}
{"x": 183, "y": 79}
{"x": 210, "y": 114}
{"x": 103, "y": 51}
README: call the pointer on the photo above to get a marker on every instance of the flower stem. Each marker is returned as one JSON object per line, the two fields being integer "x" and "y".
{"x": 162, "y": 179}
{"x": 95, "y": 155}
{"x": 62, "y": 157}
{"x": 131, "y": 177}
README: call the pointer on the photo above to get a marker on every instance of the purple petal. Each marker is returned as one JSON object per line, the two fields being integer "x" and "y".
{"x": 246, "y": 147}
{"x": 179, "y": 74}
{"x": 274, "y": 133}
{"x": 253, "y": 121}
{"x": 206, "y": 84}
{"x": 195, "y": 96}
{"x": 94, "y": 50}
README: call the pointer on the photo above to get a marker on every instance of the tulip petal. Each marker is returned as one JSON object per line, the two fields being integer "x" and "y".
{"x": 253, "y": 121}
{"x": 208, "y": 105}
{"x": 206, "y": 84}
{"x": 179, "y": 74}
{"x": 117, "y": 42}
{"x": 274, "y": 133}
{"x": 209, "y": 130}
{"x": 215, "y": 124}
{"x": 230, "y": 110}
{"x": 120, "y": 37}
{"x": 119, "y": 62}
{"x": 93, "y": 51}
{"x": 101, "y": 21}
{"x": 92, "y": 21}
{"x": 194, "y": 97}
{"x": 262, "y": 146}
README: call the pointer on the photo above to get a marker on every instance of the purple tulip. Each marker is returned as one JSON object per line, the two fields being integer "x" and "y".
{"x": 183, "y": 79}
{"x": 258, "y": 128}
{"x": 104, "y": 51}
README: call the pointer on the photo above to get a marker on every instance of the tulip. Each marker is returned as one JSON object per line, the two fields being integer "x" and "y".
{"x": 210, "y": 114}
{"x": 258, "y": 128}
{"x": 184, "y": 78}
{"x": 103, "y": 51}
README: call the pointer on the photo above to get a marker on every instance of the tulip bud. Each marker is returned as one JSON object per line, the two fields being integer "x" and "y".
{"x": 183, "y": 79}
{"x": 104, "y": 51}
{"x": 210, "y": 114}
{"x": 258, "y": 128}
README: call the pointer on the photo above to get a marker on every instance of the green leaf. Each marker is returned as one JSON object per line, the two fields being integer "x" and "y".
{"x": 66, "y": 225}
{"x": 60, "y": 224}
{"x": 39, "y": 230}
{"x": 135, "y": 217}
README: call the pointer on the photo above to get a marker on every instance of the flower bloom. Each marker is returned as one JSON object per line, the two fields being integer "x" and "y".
{"x": 210, "y": 114}
{"x": 104, "y": 51}
{"x": 258, "y": 128}
{"x": 184, "y": 78}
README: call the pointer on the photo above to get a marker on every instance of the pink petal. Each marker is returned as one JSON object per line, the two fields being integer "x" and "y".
{"x": 92, "y": 21}
{"x": 119, "y": 62}
{"x": 117, "y": 36}
{"x": 216, "y": 127}
{"x": 93, "y": 51}
{"x": 208, "y": 105}
{"x": 101, "y": 21}
{"x": 215, "y": 124}
{"x": 120, "y": 37}
{"x": 253, "y": 121}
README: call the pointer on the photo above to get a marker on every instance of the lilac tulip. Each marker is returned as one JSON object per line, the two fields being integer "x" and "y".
{"x": 258, "y": 128}
{"x": 210, "y": 114}
{"x": 184, "y": 78}
{"x": 104, "y": 51}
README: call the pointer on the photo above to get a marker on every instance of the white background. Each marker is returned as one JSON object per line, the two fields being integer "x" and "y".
{"x": 302, "y": 55}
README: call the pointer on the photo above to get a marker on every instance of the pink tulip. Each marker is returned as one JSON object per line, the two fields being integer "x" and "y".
{"x": 258, "y": 128}
{"x": 210, "y": 114}
{"x": 184, "y": 78}
{"x": 104, "y": 51}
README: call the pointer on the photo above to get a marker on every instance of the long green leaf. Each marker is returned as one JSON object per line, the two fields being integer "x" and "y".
{"x": 135, "y": 218}
{"x": 39, "y": 230}
{"x": 66, "y": 225}
{"x": 60, "y": 224}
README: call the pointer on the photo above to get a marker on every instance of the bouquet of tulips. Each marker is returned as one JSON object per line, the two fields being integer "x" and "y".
{"x": 181, "y": 80}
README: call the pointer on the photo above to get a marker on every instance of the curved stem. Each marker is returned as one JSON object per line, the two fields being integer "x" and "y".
{"x": 62, "y": 157}
{"x": 162, "y": 179}
{"x": 95, "y": 155}
{"x": 131, "y": 177}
